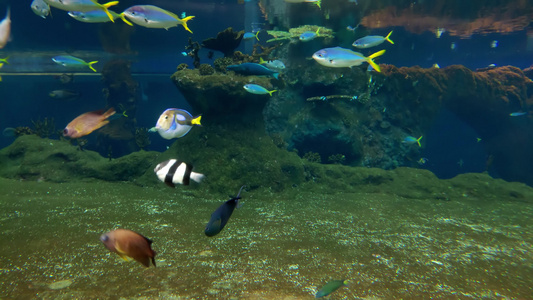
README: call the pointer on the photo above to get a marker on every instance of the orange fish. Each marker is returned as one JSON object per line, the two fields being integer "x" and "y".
{"x": 127, "y": 243}
{"x": 87, "y": 123}
{"x": 5, "y": 29}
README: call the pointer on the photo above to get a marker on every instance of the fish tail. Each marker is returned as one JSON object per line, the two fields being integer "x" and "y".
{"x": 276, "y": 75}
{"x": 0, "y": 78}
{"x": 317, "y": 31}
{"x": 8, "y": 13}
{"x": 387, "y": 38}
{"x": 90, "y": 65}
{"x": 257, "y": 35}
{"x": 197, "y": 177}
{"x": 123, "y": 18}
{"x": 109, "y": 113}
{"x": 318, "y": 3}
{"x": 272, "y": 91}
{"x": 418, "y": 141}
{"x": 196, "y": 121}
{"x": 4, "y": 60}
{"x": 184, "y": 23}
{"x": 261, "y": 61}
{"x": 105, "y": 8}
{"x": 371, "y": 61}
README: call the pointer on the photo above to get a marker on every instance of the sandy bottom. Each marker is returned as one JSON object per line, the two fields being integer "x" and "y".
{"x": 276, "y": 246}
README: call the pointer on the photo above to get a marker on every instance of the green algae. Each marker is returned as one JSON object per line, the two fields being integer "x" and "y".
{"x": 281, "y": 245}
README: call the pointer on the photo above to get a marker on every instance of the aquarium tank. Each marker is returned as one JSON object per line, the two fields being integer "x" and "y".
{"x": 266, "y": 149}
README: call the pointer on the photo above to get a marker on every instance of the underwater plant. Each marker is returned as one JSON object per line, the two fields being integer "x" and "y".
{"x": 206, "y": 69}
{"x": 182, "y": 66}
{"x": 337, "y": 159}
{"x": 194, "y": 48}
{"x": 23, "y": 131}
{"x": 221, "y": 63}
{"x": 141, "y": 138}
{"x": 312, "y": 157}
{"x": 44, "y": 128}
{"x": 296, "y": 32}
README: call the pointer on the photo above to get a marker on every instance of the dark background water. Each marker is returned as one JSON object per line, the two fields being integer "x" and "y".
{"x": 156, "y": 53}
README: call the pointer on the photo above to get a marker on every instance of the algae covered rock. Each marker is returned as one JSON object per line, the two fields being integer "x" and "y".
{"x": 34, "y": 158}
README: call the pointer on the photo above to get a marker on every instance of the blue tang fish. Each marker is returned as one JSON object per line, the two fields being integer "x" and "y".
{"x": 155, "y": 17}
{"x": 371, "y": 41}
{"x": 412, "y": 140}
{"x": 309, "y": 35}
{"x": 73, "y": 62}
{"x": 220, "y": 217}
{"x": 257, "y": 89}
{"x": 330, "y": 287}
{"x": 344, "y": 58}
{"x": 82, "y": 5}
{"x": 252, "y": 69}
{"x": 175, "y": 123}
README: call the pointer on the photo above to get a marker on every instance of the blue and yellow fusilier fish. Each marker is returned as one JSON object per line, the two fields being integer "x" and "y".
{"x": 73, "y": 62}
{"x": 317, "y": 2}
{"x": 252, "y": 69}
{"x": 412, "y": 140}
{"x": 309, "y": 35}
{"x": 371, "y": 41}
{"x": 220, "y": 217}
{"x": 257, "y": 89}
{"x": 344, "y": 58}
{"x": 155, "y": 17}
{"x": 175, "y": 123}
{"x": 330, "y": 287}
{"x": 250, "y": 36}
{"x": 82, "y": 5}
{"x": 96, "y": 16}
{"x": 518, "y": 114}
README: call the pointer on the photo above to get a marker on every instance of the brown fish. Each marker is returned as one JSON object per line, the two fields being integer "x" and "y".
{"x": 87, "y": 123}
{"x": 127, "y": 243}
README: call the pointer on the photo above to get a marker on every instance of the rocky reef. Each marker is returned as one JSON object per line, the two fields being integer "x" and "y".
{"x": 360, "y": 118}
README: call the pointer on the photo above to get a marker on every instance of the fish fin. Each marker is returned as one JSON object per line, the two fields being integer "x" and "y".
{"x": 123, "y": 18}
{"x": 317, "y": 31}
{"x": 105, "y": 8}
{"x": 0, "y": 78}
{"x": 196, "y": 121}
{"x": 318, "y": 3}
{"x": 261, "y": 61}
{"x": 256, "y": 35}
{"x": 387, "y": 38}
{"x": 371, "y": 61}
{"x": 90, "y": 65}
{"x": 276, "y": 75}
{"x": 184, "y": 23}
{"x": 109, "y": 113}
{"x": 8, "y": 13}
{"x": 272, "y": 91}
{"x": 418, "y": 140}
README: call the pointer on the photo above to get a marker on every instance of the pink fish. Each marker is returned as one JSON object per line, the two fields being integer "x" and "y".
{"x": 87, "y": 123}
{"x": 5, "y": 29}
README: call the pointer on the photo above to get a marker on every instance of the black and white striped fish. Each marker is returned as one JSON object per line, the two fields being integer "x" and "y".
{"x": 173, "y": 172}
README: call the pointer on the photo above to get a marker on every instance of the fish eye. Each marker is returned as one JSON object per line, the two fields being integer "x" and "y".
{"x": 65, "y": 131}
{"x": 145, "y": 20}
{"x": 133, "y": 13}
{"x": 104, "y": 238}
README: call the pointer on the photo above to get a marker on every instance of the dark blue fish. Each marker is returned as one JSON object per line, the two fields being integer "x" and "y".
{"x": 221, "y": 216}
{"x": 252, "y": 69}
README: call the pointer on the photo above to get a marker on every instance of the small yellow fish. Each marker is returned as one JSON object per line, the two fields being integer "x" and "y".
{"x": 1, "y": 65}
